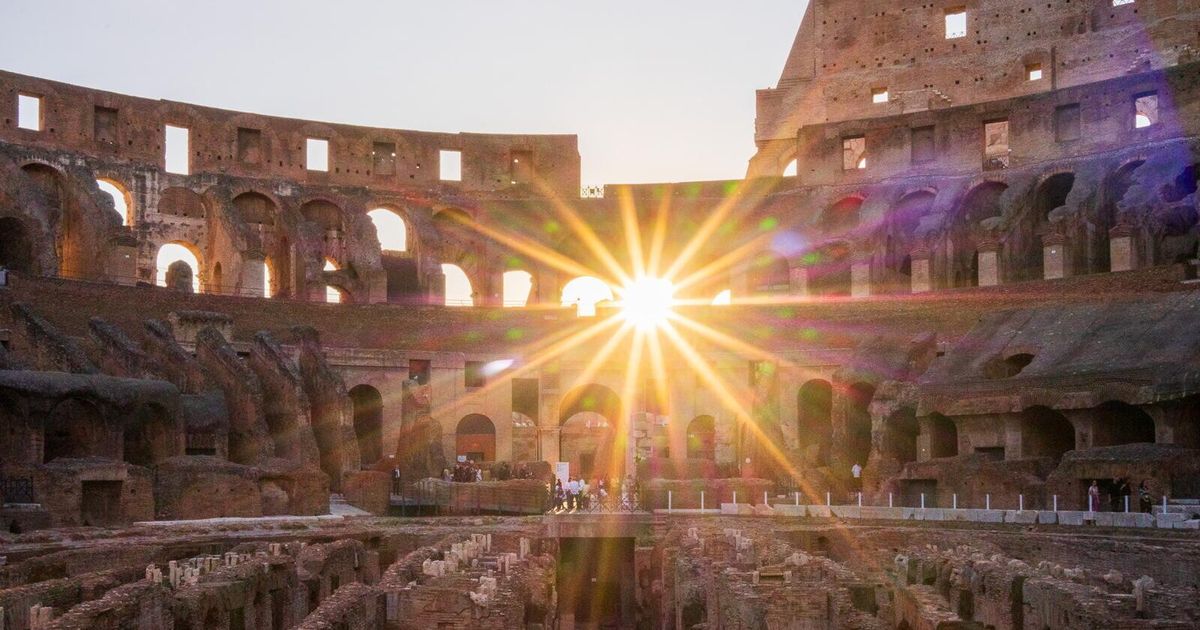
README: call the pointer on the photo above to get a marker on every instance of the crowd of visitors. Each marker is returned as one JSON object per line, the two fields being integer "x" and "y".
{"x": 1120, "y": 496}
{"x": 579, "y": 494}
{"x": 469, "y": 471}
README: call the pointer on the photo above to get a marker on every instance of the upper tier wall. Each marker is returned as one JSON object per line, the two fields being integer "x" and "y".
{"x": 131, "y": 129}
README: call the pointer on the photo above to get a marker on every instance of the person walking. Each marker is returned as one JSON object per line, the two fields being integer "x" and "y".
{"x": 1145, "y": 503}
{"x": 1094, "y": 497}
{"x": 856, "y": 475}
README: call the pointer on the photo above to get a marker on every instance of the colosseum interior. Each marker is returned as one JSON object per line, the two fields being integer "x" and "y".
{"x": 934, "y": 363}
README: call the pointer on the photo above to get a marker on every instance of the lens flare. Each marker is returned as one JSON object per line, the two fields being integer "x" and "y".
{"x": 646, "y": 302}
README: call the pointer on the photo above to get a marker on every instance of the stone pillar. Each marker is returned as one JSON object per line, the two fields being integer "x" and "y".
{"x": 860, "y": 279}
{"x": 253, "y": 276}
{"x": 122, "y": 263}
{"x": 799, "y": 280}
{"x": 1121, "y": 255}
{"x": 1054, "y": 256}
{"x": 493, "y": 293}
{"x": 922, "y": 279}
{"x": 989, "y": 264}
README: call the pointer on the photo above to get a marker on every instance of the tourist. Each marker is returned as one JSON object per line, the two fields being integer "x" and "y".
{"x": 1121, "y": 496}
{"x": 856, "y": 475}
{"x": 1145, "y": 502}
{"x": 1094, "y": 497}
{"x": 446, "y": 475}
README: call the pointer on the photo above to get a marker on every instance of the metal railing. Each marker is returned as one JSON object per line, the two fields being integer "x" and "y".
{"x": 596, "y": 503}
{"x": 16, "y": 490}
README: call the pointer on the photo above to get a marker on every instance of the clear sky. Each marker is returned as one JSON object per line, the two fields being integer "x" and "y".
{"x": 657, "y": 90}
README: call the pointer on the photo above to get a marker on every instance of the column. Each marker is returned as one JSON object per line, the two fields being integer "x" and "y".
{"x": 922, "y": 281}
{"x": 1054, "y": 256}
{"x": 989, "y": 263}
{"x": 252, "y": 282}
{"x": 1120, "y": 249}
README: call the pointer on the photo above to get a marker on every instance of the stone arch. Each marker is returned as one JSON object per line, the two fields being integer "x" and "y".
{"x": 942, "y": 436}
{"x": 71, "y": 245}
{"x": 149, "y": 436}
{"x": 323, "y": 213}
{"x": 16, "y": 245}
{"x": 458, "y": 288}
{"x": 1115, "y": 187}
{"x": 182, "y": 202}
{"x": 122, "y": 199}
{"x": 1027, "y": 251}
{"x": 589, "y": 416}
{"x": 1045, "y": 433}
{"x": 814, "y": 420}
{"x": 858, "y": 422}
{"x": 842, "y": 216}
{"x": 255, "y": 208}
{"x": 979, "y": 204}
{"x": 900, "y": 238}
{"x": 702, "y": 438}
{"x": 768, "y": 273}
{"x": 391, "y": 228}
{"x": 1115, "y": 423}
{"x": 829, "y": 270}
{"x": 585, "y": 293}
{"x": 475, "y": 438}
{"x": 74, "y": 428}
{"x": 169, "y": 274}
{"x": 900, "y": 437}
{"x": 1179, "y": 239}
{"x": 368, "y": 422}
{"x": 517, "y": 288}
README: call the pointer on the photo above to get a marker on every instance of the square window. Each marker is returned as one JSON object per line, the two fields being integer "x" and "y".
{"x": 317, "y": 154}
{"x": 104, "y": 125}
{"x": 383, "y": 158}
{"x": 29, "y": 112}
{"x": 1145, "y": 110}
{"x": 249, "y": 145}
{"x": 922, "y": 145}
{"x": 1117, "y": 3}
{"x": 176, "y": 154}
{"x": 473, "y": 375}
{"x": 1067, "y": 123}
{"x": 956, "y": 23}
{"x": 879, "y": 95}
{"x": 1033, "y": 72}
{"x": 854, "y": 153}
{"x": 450, "y": 166}
{"x": 995, "y": 147}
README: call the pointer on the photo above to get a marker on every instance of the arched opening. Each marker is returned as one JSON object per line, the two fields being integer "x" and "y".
{"x": 368, "y": 422}
{"x": 1050, "y": 195}
{"x": 16, "y": 247}
{"x": 900, "y": 435}
{"x": 1118, "y": 184}
{"x": 588, "y": 416}
{"x": 585, "y": 293}
{"x": 178, "y": 267}
{"x": 1117, "y": 423}
{"x": 73, "y": 429}
{"x": 791, "y": 169}
{"x": 1001, "y": 367}
{"x": 122, "y": 200}
{"x": 255, "y": 209}
{"x": 829, "y": 270}
{"x": 475, "y": 438}
{"x": 769, "y": 273}
{"x": 1180, "y": 240}
{"x": 814, "y": 428}
{"x": 842, "y": 216}
{"x": 323, "y": 213}
{"x": 458, "y": 286}
{"x": 702, "y": 438}
{"x": 518, "y": 286}
{"x": 1046, "y": 433}
{"x": 73, "y": 255}
{"x": 390, "y": 229}
{"x": 148, "y": 436}
{"x": 182, "y": 202}
{"x": 943, "y": 436}
{"x": 858, "y": 422}
{"x": 333, "y": 295}
{"x": 902, "y": 223}
{"x": 983, "y": 202}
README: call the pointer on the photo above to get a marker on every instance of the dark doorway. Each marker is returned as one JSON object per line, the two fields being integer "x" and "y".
{"x": 368, "y": 422}
{"x": 912, "y": 489}
{"x": 596, "y": 581}
{"x": 16, "y": 250}
{"x": 100, "y": 505}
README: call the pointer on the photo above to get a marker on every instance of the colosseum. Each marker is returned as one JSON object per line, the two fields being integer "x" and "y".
{"x": 934, "y": 363}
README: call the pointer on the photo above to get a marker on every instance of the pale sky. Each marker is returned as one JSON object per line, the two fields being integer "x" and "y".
{"x": 657, "y": 90}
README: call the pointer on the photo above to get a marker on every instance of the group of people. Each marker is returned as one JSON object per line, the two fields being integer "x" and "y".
{"x": 464, "y": 472}
{"x": 578, "y": 494}
{"x": 1120, "y": 494}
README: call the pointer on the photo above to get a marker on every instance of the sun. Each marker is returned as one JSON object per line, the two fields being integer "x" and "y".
{"x": 646, "y": 302}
